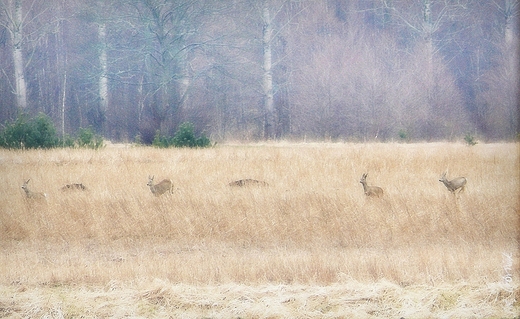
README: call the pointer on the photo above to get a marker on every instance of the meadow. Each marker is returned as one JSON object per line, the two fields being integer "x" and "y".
{"x": 310, "y": 244}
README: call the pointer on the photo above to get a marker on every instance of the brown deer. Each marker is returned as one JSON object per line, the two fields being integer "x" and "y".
{"x": 164, "y": 186}
{"x": 32, "y": 195}
{"x": 74, "y": 186}
{"x": 370, "y": 190}
{"x": 248, "y": 182}
{"x": 454, "y": 184}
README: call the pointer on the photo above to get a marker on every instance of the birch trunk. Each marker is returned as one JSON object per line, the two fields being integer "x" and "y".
{"x": 63, "y": 102}
{"x": 428, "y": 36}
{"x": 103, "y": 80}
{"x": 268, "y": 75}
{"x": 509, "y": 9}
{"x": 17, "y": 41}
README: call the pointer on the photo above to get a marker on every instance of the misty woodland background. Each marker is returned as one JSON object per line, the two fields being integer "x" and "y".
{"x": 248, "y": 70}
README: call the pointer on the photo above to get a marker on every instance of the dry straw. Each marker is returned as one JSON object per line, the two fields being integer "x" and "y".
{"x": 312, "y": 225}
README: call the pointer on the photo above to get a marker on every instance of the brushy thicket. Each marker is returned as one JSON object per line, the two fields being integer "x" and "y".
{"x": 24, "y": 132}
{"x": 88, "y": 139}
{"x": 39, "y": 132}
{"x": 470, "y": 139}
{"x": 184, "y": 137}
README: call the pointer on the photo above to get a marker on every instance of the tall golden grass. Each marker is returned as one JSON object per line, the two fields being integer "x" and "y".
{"x": 312, "y": 226}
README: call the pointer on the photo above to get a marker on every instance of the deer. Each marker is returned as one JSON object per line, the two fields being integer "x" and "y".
{"x": 454, "y": 184}
{"x": 248, "y": 182}
{"x": 32, "y": 195}
{"x": 164, "y": 186}
{"x": 74, "y": 186}
{"x": 370, "y": 190}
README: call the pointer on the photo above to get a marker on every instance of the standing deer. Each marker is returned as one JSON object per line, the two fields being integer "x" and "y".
{"x": 454, "y": 184}
{"x": 30, "y": 194}
{"x": 158, "y": 189}
{"x": 370, "y": 190}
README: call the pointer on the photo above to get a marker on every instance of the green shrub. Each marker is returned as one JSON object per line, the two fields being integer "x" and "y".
{"x": 25, "y": 133}
{"x": 88, "y": 139}
{"x": 403, "y": 135}
{"x": 470, "y": 139}
{"x": 184, "y": 137}
{"x": 39, "y": 132}
{"x": 138, "y": 140}
{"x": 67, "y": 141}
{"x": 161, "y": 141}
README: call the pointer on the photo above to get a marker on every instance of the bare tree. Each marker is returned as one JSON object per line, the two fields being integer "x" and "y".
{"x": 30, "y": 25}
{"x": 267, "y": 39}
{"x": 103, "y": 75}
{"x": 509, "y": 11}
{"x": 499, "y": 101}
{"x": 272, "y": 29}
{"x": 14, "y": 20}
{"x": 153, "y": 54}
{"x": 362, "y": 69}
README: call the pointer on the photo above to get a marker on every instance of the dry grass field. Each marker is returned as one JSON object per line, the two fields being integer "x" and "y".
{"x": 309, "y": 245}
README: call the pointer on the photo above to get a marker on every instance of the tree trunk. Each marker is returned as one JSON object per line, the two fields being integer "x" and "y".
{"x": 269, "y": 121}
{"x": 103, "y": 80}
{"x": 428, "y": 37}
{"x": 509, "y": 12}
{"x": 63, "y": 102}
{"x": 17, "y": 41}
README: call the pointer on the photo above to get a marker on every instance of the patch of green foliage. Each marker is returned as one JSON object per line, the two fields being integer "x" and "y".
{"x": 25, "y": 133}
{"x": 184, "y": 137}
{"x": 39, "y": 132}
{"x": 162, "y": 141}
{"x": 470, "y": 139}
{"x": 88, "y": 139}
{"x": 403, "y": 135}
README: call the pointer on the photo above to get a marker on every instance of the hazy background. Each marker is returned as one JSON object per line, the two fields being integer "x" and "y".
{"x": 247, "y": 70}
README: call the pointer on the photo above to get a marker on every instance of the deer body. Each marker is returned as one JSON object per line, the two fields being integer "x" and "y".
{"x": 74, "y": 186}
{"x": 30, "y": 194}
{"x": 248, "y": 182}
{"x": 164, "y": 186}
{"x": 370, "y": 190}
{"x": 454, "y": 184}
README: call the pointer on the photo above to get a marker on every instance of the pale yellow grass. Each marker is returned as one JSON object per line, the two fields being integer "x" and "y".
{"x": 160, "y": 299}
{"x": 309, "y": 245}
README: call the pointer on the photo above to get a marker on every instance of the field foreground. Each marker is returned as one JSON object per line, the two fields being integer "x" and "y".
{"x": 308, "y": 245}
{"x": 348, "y": 300}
